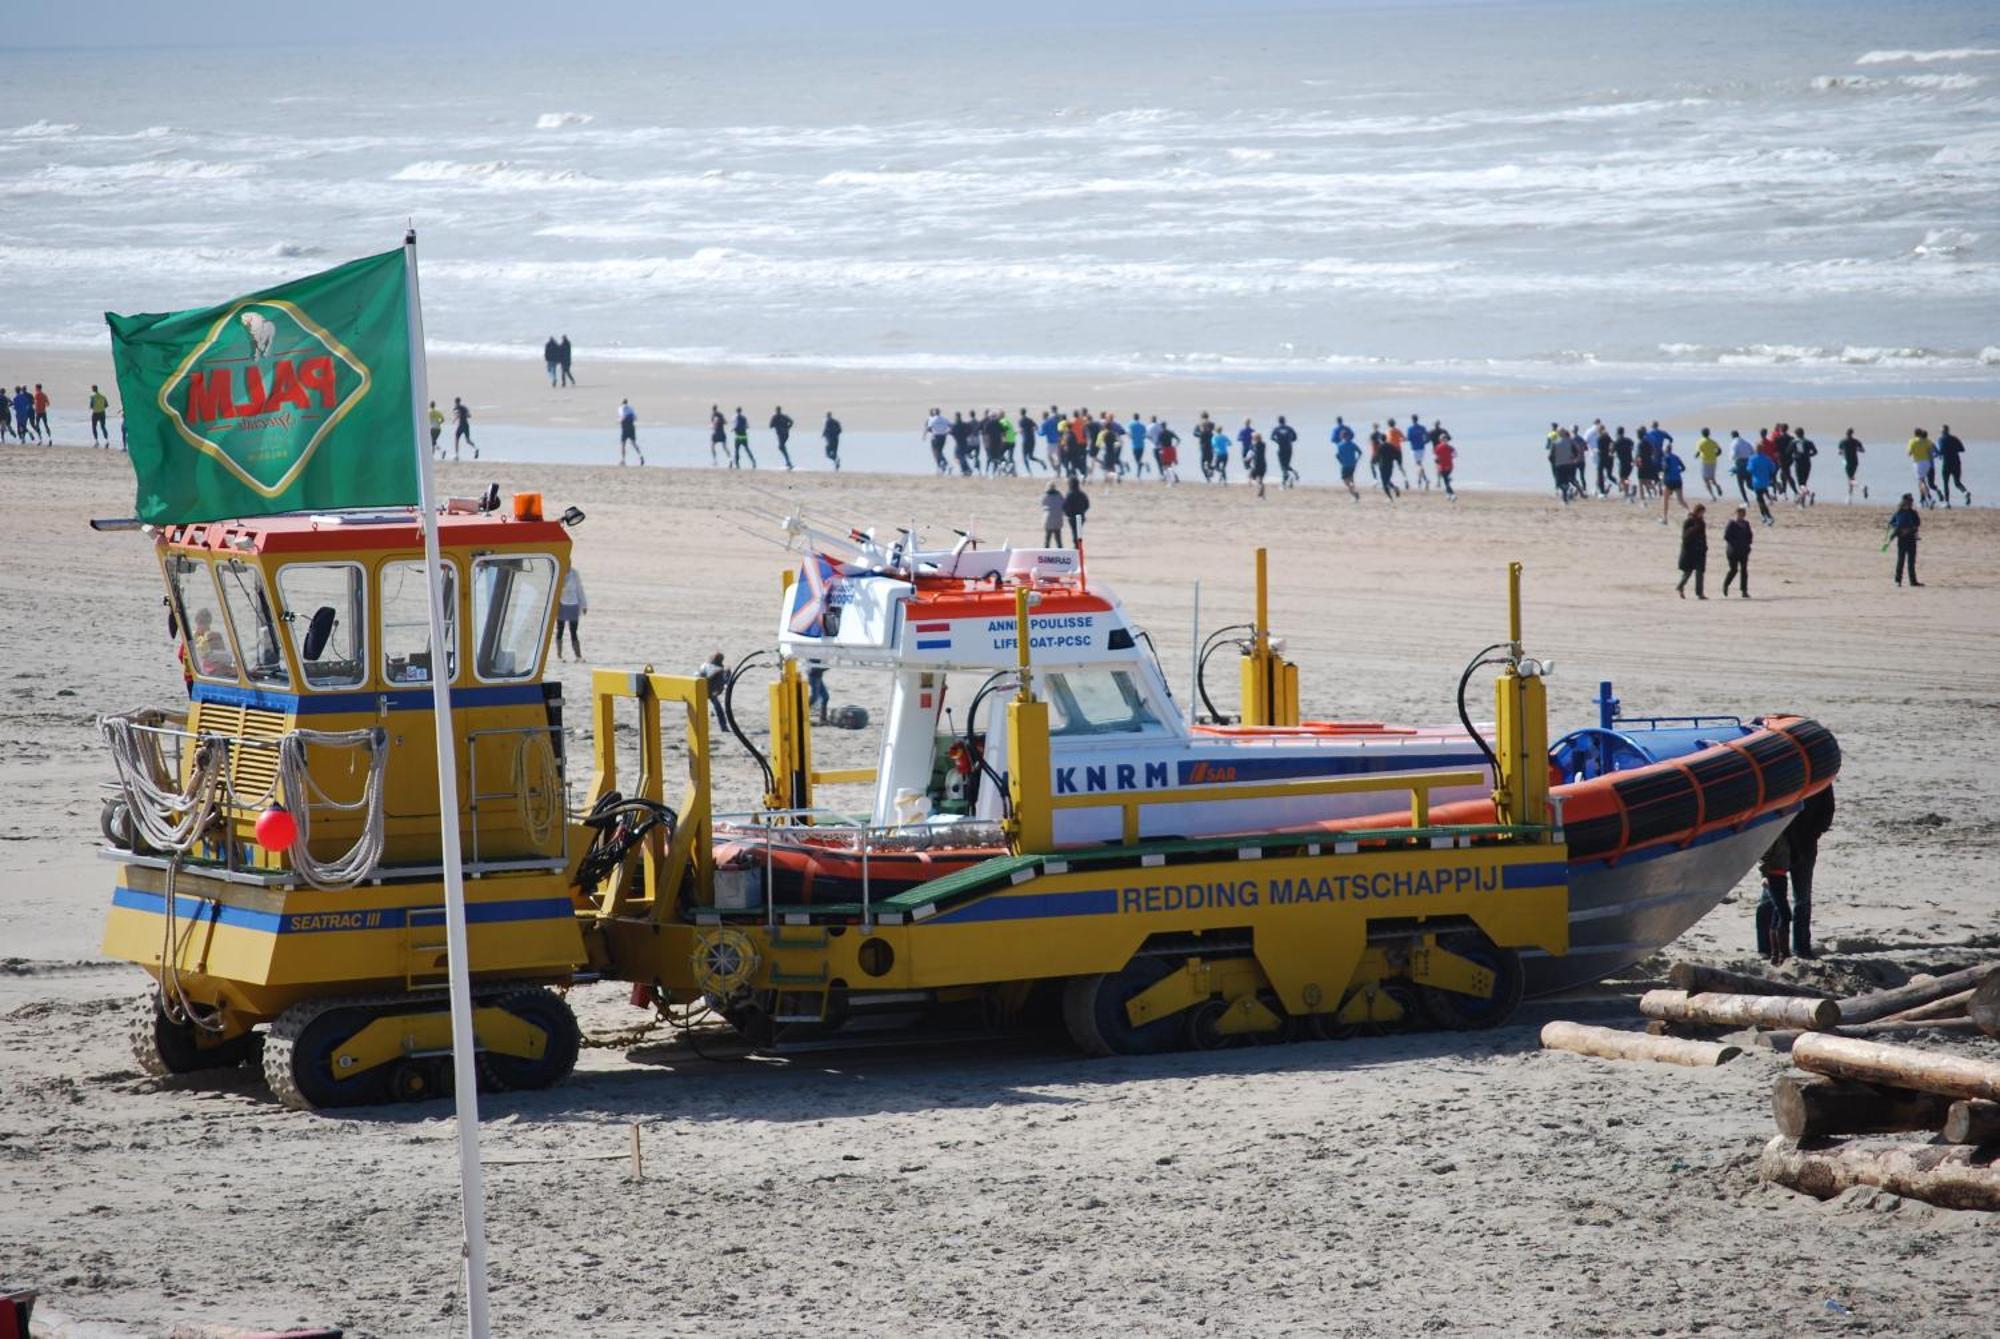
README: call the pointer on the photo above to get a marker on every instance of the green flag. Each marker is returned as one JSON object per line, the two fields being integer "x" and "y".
{"x": 293, "y": 399}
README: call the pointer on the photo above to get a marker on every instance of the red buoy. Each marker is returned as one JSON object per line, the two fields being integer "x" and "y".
{"x": 276, "y": 828}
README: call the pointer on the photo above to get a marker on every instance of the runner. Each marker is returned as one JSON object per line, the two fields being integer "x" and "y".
{"x": 781, "y": 427}
{"x": 1166, "y": 453}
{"x": 99, "y": 406}
{"x": 1850, "y": 449}
{"x": 1446, "y": 456}
{"x": 1672, "y": 468}
{"x": 462, "y": 432}
{"x": 1741, "y": 453}
{"x": 831, "y": 435}
{"x": 628, "y": 431}
{"x": 1255, "y": 461}
{"x": 1025, "y": 429}
{"x": 1418, "y": 438}
{"x": 1348, "y": 454}
{"x": 1923, "y": 456}
{"x": 1381, "y": 461}
{"x": 740, "y": 426}
{"x": 1283, "y": 436}
{"x": 1135, "y": 432}
{"x": 1707, "y": 450}
{"x": 1804, "y": 449}
{"x": 718, "y": 435}
{"x": 436, "y": 417}
{"x": 1621, "y": 446}
{"x": 1952, "y": 451}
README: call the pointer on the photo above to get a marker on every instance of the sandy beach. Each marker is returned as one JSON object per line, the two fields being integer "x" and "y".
{"x": 1445, "y": 1184}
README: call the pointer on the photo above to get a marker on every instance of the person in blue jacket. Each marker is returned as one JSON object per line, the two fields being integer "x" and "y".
{"x": 1672, "y": 470}
{"x": 1418, "y": 438}
{"x": 1348, "y": 454}
{"x": 1763, "y": 474}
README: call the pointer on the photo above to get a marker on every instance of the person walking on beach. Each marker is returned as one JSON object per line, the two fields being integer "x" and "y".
{"x": 830, "y": 434}
{"x": 718, "y": 435}
{"x": 462, "y": 432}
{"x": 1707, "y": 451}
{"x": 1076, "y": 504}
{"x": 1923, "y": 458}
{"x": 1672, "y": 470}
{"x": 1052, "y": 517}
{"x": 1903, "y": 526}
{"x": 740, "y": 425}
{"x": 628, "y": 431}
{"x": 563, "y": 356}
{"x": 99, "y": 407}
{"x": 1694, "y": 551}
{"x": 1446, "y": 456}
{"x": 552, "y": 359}
{"x": 1285, "y": 435}
{"x": 781, "y": 428}
{"x": 571, "y": 605}
{"x": 1850, "y": 449}
{"x": 1951, "y": 453}
{"x": 435, "y": 417}
{"x": 715, "y": 673}
{"x": 1736, "y": 540}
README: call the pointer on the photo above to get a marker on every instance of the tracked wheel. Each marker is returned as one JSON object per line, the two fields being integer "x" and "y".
{"x": 1465, "y": 1013}
{"x": 163, "y": 1048}
{"x": 1094, "y": 1011}
{"x": 299, "y": 1066}
{"x": 548, "y": 1013}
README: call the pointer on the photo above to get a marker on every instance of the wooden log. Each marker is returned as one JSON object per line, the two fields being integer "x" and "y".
{"x": 1881, "y": 1003}
{"x": 1951, "y": 1176}
{"x": 1898, "y": 1066}
{"x": 1984, "y": 1006}
{"x": 1813, "y": 1106}
{"x": 1951, "y": 1006}
{"x": 1776, "y": 1011}
{"x": 1696, "y": 979}
{"x": 1614, "y": 1044}
{"x": 1971, "y": 1121}
{"x": 1783, "y": 1039}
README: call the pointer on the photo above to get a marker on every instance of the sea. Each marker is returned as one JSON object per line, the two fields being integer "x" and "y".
{"x": 1575, "y": 203}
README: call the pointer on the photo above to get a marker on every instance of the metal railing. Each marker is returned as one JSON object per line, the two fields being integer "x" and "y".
{"x": 1418, "y": 785}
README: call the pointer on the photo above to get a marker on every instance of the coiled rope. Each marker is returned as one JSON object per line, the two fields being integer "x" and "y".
{"x": 303, "y": 795}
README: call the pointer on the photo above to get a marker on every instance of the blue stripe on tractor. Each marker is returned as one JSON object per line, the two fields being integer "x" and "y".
{"x": 1204, "y": 771}
{"x": 1033, "y": 906}
{"x": 400, "y": 699}
{"x": 322, "y": 922}
{"x": 1543, "y": 874}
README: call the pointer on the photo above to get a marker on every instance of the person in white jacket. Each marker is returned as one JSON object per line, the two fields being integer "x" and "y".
{"x": 572, "y": 605}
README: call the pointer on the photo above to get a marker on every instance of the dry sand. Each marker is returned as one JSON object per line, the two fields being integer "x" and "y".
{"x": 1449, "y": 1184}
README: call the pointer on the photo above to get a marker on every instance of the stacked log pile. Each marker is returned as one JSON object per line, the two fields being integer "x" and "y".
{"x": 1845, "y": 1086}
{"x": 1849, "y": 1081}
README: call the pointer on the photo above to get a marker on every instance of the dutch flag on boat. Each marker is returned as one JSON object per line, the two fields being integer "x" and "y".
{"x": 810, "y": 594}
{"x": 933, "y": 636}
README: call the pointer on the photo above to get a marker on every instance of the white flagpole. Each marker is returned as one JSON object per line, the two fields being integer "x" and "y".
{"x": 465, "y": 1078}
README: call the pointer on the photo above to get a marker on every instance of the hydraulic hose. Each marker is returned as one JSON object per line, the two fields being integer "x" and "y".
{"x": 1484, "y": 657}
{"x": 978, "y": 755}
{"x": 1209, "y": 646}
{"x": 729, "y": 719}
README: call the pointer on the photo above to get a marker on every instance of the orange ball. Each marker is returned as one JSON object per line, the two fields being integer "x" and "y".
{"x": 276, "y": 828}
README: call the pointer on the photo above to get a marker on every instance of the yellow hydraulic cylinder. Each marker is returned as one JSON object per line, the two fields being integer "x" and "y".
{"x": 1030, "y": 782}
{"x": 1521, "y": 719}
{"x": 791, "y": 741}
{"x": 1270, "y": 682}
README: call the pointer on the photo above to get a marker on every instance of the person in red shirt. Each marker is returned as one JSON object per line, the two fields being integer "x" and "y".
{"x": 1446, "y": 456}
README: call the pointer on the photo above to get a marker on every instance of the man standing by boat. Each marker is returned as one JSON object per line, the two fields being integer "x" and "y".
{"x": 1815, "y": 816}
{"x": 1736, "y": 539}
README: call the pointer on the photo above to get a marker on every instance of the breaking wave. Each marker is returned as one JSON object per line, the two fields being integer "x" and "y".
{"x": 1927, "y": 57}
{"x": 557, "y": 120}
{"x": 500, "y": 173}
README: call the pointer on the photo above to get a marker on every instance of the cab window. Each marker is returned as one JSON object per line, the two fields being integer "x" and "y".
{"x": 510, "y": 613}
{"x": 252, "y": 622}
{"x": 406, "y": 623}
{"x": 1097, "y": 702}
{"x": 204, "y": 633}
{"x": 326, "y": 617}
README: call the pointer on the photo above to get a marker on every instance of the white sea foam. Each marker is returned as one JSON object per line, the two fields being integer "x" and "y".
{"x": 1927, "y": 57}
{"x": 1941, "y": 82}
{"x": 1826, "y": 83}
{"x": 44, "y": 130}
{"x": 1253, "y": 155}
{"x": 1945, "y": 242}
{"x": 497, "y": 173}
{"x": 558, "y": 120}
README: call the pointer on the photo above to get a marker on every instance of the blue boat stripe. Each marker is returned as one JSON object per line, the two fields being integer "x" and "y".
{"x": 321, "y": 922}
{"x": 399, "y": 699}
{"x": 1670, "y": 846}
{"x": 1192, "y": 771}
{"x": 1542, "y": 874}
{"x": 936, "y": 645}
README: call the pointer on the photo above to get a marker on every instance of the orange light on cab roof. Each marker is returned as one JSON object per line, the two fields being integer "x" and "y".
{"x": 527, "y": 506}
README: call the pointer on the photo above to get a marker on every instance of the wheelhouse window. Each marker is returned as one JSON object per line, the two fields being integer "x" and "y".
{"x": 406, "y": 623}
{"x": 326, "y": 617}
{"x": 1097, "y": 702}
{"x": 252, "y": 622}
{"x": 204, "y": 633}
{"x": 510, "y": 613}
